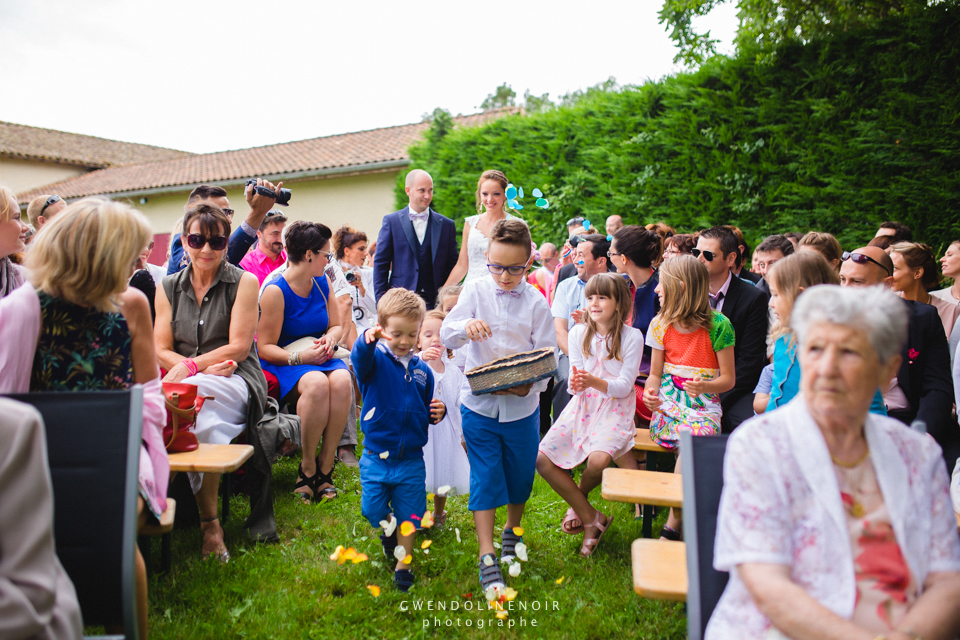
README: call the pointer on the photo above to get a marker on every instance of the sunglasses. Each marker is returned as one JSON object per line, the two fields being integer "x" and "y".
{"x": 51, "y": 200}
{"x": 859, "y": 258}
{"x": 197, "y": 241}
{"x": 707, "y": 255}
{"x": 497, "y": 269}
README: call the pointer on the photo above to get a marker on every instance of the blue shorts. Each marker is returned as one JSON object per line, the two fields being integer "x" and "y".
{"x": 503, "y": 458}
{"x": 397, "y": 486}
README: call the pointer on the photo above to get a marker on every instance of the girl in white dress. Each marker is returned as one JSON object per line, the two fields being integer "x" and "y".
{"x": 445, "y": 454}
{"x": 597, "y": 424}
{"x": 492, "y": 201}
{"x": 446, "y": 300}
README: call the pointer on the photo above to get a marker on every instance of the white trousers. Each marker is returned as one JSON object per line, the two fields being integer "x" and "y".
{"x": 221, "y": 419}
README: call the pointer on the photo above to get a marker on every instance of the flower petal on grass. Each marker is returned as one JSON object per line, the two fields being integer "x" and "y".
{"x": 426, "y": 550}
{"x": 427, "y": 520}
{"x": 361, "y": 557}
{"x": 389, "y": 527}
{"x": 430, "y": 496}
{"x": 336, "y": 554}
{"x": 490, "y": 594}
{"x": 561, "y": 579}
{"x": 521, "y": 551}
{"x": 426, "y": 544}
{"x": 515, "y": 569}
{"x": 502, "y": 615}
{"x": 457, "y": 531}
{"x": 407, "y": 560}
{"x": 349, "y": 554}
{"x": 509, "y": 594}
{"x": 407, "y": 528}
{"x": 374, "y": 590}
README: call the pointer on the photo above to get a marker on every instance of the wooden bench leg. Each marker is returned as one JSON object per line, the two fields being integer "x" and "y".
{"x": 648, "y": 512}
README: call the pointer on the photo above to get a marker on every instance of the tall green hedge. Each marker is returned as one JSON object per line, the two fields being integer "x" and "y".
{"x": 836, "y": 135}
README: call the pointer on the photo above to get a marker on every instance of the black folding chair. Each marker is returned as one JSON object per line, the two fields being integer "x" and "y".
{"x": 93, "y": 442}
{"x": 702, "y": 467}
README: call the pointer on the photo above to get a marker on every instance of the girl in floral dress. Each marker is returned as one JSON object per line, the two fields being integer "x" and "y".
{"x": 597, "y": 425}
{"x": 692, "y": 361}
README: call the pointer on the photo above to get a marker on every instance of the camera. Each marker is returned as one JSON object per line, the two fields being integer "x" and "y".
{"x": 350, "y": 276}
{"x": 282, "y": 197}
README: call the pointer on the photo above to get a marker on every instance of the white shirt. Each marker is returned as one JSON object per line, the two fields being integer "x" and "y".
{"x": 518, "y": 325}
{"x": 570, "y": 296}
{"x": 157, "y": 273}
{"x": 419, "y": 226}
{"x": 620, "y": 376}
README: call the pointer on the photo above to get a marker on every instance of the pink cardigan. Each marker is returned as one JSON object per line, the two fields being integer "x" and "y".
{"x": 19, "y": 332}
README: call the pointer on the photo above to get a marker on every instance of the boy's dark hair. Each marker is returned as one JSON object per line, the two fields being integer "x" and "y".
{"x": 901, "y": 232}
{"x": 776, "y": 242}
{"x": 512, "y": 231}
{"x": 726, "y": 238}
{"x": 206, "y": 192}
{"x": 303, "y": 236}
{"x": 600, "y": 245}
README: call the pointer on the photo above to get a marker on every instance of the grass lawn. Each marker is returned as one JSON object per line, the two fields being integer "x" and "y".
{"x": 293, "y": 589}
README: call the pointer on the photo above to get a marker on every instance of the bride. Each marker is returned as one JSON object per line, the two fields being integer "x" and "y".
{"x": 491, "y": 194}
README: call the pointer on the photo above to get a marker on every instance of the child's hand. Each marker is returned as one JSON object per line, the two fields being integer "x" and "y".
{"x": 437, "y": 411}
{"x": 651, "y": 398}
{"x": 694, "y": 387}
{"x": 578, "y": 380}
{"x": 578, "y": 316}
{"x": 433, "y": 353}
{"x": 521, "y": 391}
{"x": 374, "y": 334}
{"x": 478, "y": 330}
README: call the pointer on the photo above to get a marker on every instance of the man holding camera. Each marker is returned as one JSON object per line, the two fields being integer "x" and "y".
{"x": 269, "y": 254}
{"x": 258, "y": 195}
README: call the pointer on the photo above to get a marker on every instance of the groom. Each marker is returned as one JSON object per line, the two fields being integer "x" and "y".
{"x": 417, "y": 247}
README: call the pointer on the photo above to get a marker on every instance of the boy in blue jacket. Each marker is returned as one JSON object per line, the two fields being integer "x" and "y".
{"x": 398, "y": 406}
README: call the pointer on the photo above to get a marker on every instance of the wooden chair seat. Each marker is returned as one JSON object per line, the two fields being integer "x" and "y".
{"x": 212, "y": 458}
{"x": 643, "y": 442}
{"x": 166, "y": 521}
{"x": 642, "y": 487}
{"x": 660, "y": 569}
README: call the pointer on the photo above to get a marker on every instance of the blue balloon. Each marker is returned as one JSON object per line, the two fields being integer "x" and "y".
{"x": 537, "y": 193}
{"x": 586, "y": 224}
{"x": 521, "y": 192}
{"x": 542, "y": 203}
{"x": 511, "y": 192}
{"x": 609, "y": 238}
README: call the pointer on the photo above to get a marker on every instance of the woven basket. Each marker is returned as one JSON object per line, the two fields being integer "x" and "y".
{"x": 512, "y": 371}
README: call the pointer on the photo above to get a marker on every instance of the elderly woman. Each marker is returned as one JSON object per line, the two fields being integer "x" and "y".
{"x": 293, "y": 307}
{"x": 77, "y": 326}
{"x": 835, "y": 522}
{"x": 13, "y": 234}
{"x": 206, "y": 318}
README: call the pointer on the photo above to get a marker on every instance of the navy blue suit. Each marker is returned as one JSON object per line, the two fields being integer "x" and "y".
{"x": 400, "y": 256}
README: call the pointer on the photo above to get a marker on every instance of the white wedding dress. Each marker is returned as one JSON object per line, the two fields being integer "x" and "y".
{"x": 477, "y": 245}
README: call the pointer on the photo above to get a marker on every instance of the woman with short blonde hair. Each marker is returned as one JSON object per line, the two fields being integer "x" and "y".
{"x": 12, "y": 236}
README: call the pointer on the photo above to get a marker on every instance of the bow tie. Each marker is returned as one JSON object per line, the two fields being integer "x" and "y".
{"x": 419, "y": 216}
{"x": 511, "y": 293}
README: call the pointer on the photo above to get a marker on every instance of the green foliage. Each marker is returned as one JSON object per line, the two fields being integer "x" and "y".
{"x": 836, "y": 135}
{"x": 768, "y": 23}
{"x": 504, "y": 96}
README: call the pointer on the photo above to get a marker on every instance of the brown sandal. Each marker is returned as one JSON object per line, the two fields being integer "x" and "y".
{"x": 590, "y": 544}
{"x": 570, "y": 516}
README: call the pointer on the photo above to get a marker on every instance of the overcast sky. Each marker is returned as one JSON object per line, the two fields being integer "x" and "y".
{"x": 210, "y": 75}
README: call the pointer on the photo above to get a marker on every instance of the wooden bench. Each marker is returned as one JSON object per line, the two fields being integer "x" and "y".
{"x": 660, "y": 569}
{"x": 642, "y": 487}
{"x": 214, "y": 458}
{"x": 162, "y": 529}
{"x": 643, "y": 442}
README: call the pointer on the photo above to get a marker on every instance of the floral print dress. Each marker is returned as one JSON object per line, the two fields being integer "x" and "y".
{"x": 687, "y": 355}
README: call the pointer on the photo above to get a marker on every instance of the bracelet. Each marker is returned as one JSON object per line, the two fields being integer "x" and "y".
{"x": 190, "y": 365}
{"x": 290, "y": 357}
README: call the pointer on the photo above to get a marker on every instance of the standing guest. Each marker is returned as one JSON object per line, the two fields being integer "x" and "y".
{"x": 371, "y": 254}
{"x": 950, "y": 266}
{"x": 895, "y": 231}
{"x": 825, "y": 244}
{"x": 350, "y": 247}
{"x": 498, "y": 316}
{"x": 568, "y": 256}
{"x": 294, "y": 307}
{"x": 417, "y": 247}
{"x": 915, "y": 275}
{"x": 12, "y": 235}
{"x": 746, "y": 307}
{"x": 772, "y": 249}
{"x": 573, "y": 224}
{"x": 157, "y": 272}
{"x": 835, "y": 522}
{"x": 82, "y": 328}
{"x": 739, "y": 269}
{"x": 614, "y": 224}
{"x": 921, "y": 389}
{"x": 206, "y": 319}
{"x": 491, "y": 209}
{"x": 597, "y": 427}
{"x": 794, "y": 237}
{"x": 42, "y": 209}
{"x": 681, "y": 244}
{"x": 246, "y": 234}
{"x": 591, "y": 259}
{"x": 662, "y": 229}
{"x": 692, "y": 362}
{"x": 542, "y": 278}
{"x": 268, "y": 255}
{"x": 398, "y": 388}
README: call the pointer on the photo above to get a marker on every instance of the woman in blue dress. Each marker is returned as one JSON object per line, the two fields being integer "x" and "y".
{"x": 292, "y": 308}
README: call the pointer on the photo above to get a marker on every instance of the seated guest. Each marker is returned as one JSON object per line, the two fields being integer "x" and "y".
{"x": 42, "y": 209}
{"x": 293, "y": 307}
{"x": 825, "y": 244}
{"x": 38, "y": 599}
{"x": 773, "y": 248}
{"x": 915, "y": 275}
{"x": 12, "y": 236}
{"x": 679, "y": 245}
{"x": 835, "y": 522}
{"x": 268, "y": 255}
{"x": 739, "y": 269}
{"x": 921, "y": 389}
{"x": 350, "y": 247}
{"x": 78, "y": 326}
{"x": 206, "y": 318}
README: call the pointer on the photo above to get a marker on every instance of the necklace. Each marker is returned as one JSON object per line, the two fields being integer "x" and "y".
{"x": 854, "y": 483}
{"x": 850, "y": 465}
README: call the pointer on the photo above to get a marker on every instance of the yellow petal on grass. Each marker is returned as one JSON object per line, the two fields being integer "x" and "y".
{"x": 407, "y": 528}
{"x": 502, "y": 615}
{"x": 561, "y": 579}
{"x": 374, "y": 589}
{"x": 518, "y": 531}
{"x": 408, "y": 559}
{"x": 427, "y": 520}
{"x": 360, "y": 558}
{"x": 336, "y": 554}
{"x": 431, "y": 496}
{"x": 349, "y": 554}
{"x": 510, "y": 594}
{"x": 426, "y": 544}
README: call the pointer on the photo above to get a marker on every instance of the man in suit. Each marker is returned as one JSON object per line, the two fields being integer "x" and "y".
{"x": 746, "y": 308}
{"x": 417, "y": 247}
{"x": 923, "y": 388}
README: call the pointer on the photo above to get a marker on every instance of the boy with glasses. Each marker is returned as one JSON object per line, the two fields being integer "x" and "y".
{"x": 497, "y": 317}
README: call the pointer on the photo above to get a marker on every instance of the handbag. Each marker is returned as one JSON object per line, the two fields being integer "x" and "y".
{"x": 182, "y": 405}
{"x": 339, "y": 351}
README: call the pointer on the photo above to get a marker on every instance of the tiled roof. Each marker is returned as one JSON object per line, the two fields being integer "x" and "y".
{"x": 363, "y": 150}
{"x": 34, "y": 143}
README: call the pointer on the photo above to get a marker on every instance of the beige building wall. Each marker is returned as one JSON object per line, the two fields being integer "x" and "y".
{"x": 359, "y": 200}
{"x": 24, "y": 175}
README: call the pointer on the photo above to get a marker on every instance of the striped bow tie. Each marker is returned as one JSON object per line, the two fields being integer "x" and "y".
{"x": 419, "y": 216}
{"x": 511, "y": 293}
